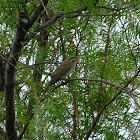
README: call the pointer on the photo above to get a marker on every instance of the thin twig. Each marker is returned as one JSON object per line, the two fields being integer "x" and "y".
{"x": 137, "y": 104}
{"x": 8, "y": 61}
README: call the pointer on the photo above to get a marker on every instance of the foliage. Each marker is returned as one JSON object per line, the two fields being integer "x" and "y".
{"x": 106, "y": 34}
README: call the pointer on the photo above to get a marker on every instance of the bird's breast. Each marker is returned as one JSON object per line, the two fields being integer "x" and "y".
{"x": 67, "y": 74}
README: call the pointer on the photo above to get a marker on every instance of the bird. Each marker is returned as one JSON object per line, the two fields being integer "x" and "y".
{"x": 64, "y": 69}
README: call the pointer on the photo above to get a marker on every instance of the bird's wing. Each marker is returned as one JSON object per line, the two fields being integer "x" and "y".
{"x": 61, "y": 70}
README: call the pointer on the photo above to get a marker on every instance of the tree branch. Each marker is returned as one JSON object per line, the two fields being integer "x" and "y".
{"x": 39, "y": 9}
{"x": 101, "y": 81}
{"x": 25, "y": 127}
{"x": 107, "y": 104}
{"x": 52, "y": 21}
{"x": 122, "y": 89}
{"x": 108, "y": 8}
{"x": 43, "y": 98}
{"x": 10, "y": 67}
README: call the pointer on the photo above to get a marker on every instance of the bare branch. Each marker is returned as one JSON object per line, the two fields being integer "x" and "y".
{"x": 38, "y": 10}
{"x": 25, "y": 127}
{"x": 101, "y": 81}
{"x": 108, "y": 8}
{"x": 122, "y": 89}
{"x": 52, "y": 21}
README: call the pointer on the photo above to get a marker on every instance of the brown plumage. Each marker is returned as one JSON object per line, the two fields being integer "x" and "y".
{"x": 64, "y": 69}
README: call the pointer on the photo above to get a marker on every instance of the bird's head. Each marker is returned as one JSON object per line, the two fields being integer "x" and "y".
{"x": 74, "y": 58}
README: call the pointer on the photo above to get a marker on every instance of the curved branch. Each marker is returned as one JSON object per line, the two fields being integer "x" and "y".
{"x": 107, "y": 104}
{"x": 52, "y": 21}
{"x": 122, "y": 89}
{"x": 101, "y": 81}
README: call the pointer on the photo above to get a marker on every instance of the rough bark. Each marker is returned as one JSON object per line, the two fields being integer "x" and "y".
{"x": 10, "y": 67}
{"x": 2, "y": 74}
